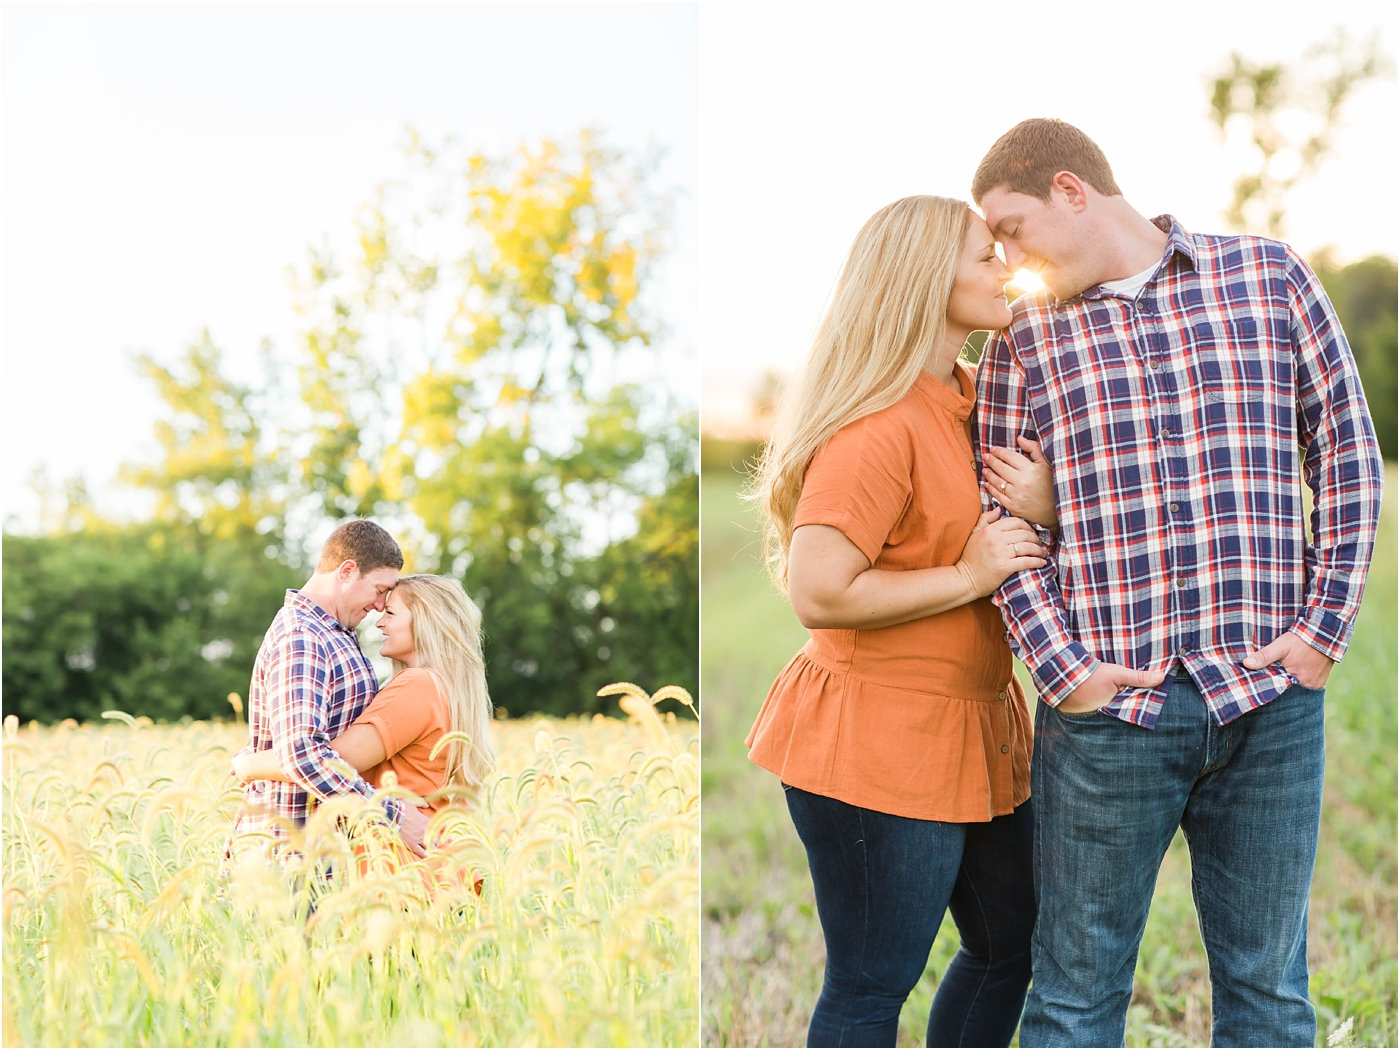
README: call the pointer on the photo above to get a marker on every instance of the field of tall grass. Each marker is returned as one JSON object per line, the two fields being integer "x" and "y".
{"x": 124, "y": 926}
{"x": 761, "y": 940}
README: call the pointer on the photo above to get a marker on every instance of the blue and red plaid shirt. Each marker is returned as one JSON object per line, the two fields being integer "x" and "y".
{"x": 1174, "y": 424}
{"x": 310, "y": 681}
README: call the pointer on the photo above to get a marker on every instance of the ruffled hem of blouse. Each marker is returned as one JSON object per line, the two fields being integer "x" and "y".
{"x": 922, "y": 755}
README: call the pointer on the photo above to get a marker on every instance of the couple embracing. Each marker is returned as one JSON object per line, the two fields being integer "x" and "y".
{"x": 1115, "y": 492}
{"x": 315, "y": 698}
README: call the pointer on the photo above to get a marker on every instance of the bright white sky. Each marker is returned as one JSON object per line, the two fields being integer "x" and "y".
{"x": 163, "y": 164}
{"x": 814, "y": 116}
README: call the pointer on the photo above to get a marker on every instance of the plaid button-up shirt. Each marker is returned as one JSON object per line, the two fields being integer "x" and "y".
{"x": 1173, "y": 424}
{"x": 310, "y": 681}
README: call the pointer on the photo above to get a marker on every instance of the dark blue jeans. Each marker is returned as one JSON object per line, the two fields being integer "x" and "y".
{"x": 1109, "y": 796}
{"x": 882, "y": 884}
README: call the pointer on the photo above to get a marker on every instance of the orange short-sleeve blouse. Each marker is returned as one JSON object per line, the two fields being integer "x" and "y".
{"x": 921, "y": 719}
{"x": 410, "y": 715}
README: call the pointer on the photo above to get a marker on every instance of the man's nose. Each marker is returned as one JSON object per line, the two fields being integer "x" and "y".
{"x": 379, "y": 602}
{"x": 1015, "y": 258}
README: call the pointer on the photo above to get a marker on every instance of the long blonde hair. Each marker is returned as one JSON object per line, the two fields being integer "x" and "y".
{"x": 446, "y": 628}
{"x": 887, "y": 312}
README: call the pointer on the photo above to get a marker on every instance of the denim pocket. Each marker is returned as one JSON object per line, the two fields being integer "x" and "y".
{"x": 1306, "y": 690}
{"x": 1079, "y": 716}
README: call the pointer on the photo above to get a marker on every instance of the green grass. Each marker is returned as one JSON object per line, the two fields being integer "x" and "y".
{"x": 761, "y": 941}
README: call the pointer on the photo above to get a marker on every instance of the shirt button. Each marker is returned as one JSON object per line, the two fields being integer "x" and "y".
{"x": 1181, "y": 651}
{"x": 1154, "y": 365}
{"x": 1180, "y": 583}
{"x": 1001, "y": 695}
{"x": 1165, "y": 434}
{"x": 1004, "y": 749}
{"x": 1174, "y": 508}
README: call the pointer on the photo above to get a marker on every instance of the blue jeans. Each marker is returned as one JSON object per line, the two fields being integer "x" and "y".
{"x": 1109, "y": 796}
{"x": 882, "y": 885}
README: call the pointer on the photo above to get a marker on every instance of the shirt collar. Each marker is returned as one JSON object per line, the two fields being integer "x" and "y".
{"x": 297, "y": 600}
{"x": 958, "y": 405}
{"x": 1178, "y": 240}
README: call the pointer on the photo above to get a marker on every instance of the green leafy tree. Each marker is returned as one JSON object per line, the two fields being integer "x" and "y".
{"x": 161, "y": 618}
{"x": 454, "y": 378}
{"x": 135, "y": 618}
{"x": 648, "y": 584}
{"x": 349, "y": 370}
{"x": 215, "y": 476}
{"x": 1364, "y": 295}
{"x": 1291, "y": 115}
{"x": 486, "y": 308}
{"x": 518, "y": 451}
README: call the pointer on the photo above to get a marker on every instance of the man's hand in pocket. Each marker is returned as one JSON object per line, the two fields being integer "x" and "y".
{"x": 1103, "y": 686}
{"x": 1299, "y": 659}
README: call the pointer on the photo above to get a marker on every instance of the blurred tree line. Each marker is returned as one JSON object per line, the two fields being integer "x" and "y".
{"x": 460, "y": 377}
{"x": 1364, "y": 295}
{"x": 1291, "y": 114}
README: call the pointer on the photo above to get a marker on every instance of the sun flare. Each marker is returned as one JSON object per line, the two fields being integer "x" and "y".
{"x": 1027, "y": 281}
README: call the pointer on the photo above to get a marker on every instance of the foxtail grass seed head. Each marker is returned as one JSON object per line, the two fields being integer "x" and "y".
{"x": 558, "y": 904}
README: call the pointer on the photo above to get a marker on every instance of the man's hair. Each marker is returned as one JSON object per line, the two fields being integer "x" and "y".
{"x": 1029, "y": 156}
{"x": 364, "y": 543}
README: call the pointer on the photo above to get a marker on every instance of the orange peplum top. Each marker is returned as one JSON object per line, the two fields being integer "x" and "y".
{"x": 410, "y": 714}
{"x": 923, "y": 719}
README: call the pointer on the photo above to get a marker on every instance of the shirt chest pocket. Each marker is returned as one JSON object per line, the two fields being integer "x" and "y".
{"x": 1231, "y": 362}
{"x": 1233, "y": 396}
{"x": 1233, "y": 381}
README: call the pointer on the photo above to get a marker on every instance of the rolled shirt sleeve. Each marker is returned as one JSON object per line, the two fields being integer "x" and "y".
{"x": 860, "y": 484}
{"x": 401, "y": 713}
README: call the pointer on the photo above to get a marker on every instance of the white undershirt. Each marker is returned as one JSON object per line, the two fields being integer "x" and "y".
{"x": 1130, "y": 286}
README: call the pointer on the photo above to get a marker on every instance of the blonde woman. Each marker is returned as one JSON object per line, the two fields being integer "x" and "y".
{"x": 432, "y": 632}
{"x": 899, "y": 732}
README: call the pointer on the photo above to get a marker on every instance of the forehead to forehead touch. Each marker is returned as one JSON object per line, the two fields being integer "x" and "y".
{"x": 1001, "y": 208}
{"x": 979, "y": 237}
{"x": 383, "y": 578}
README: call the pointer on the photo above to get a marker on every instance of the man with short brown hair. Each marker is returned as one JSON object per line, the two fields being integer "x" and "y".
{"x": 363, "y": 542}
{"x": 311, "y": 680}
{"x": 1181, "y": 635}
{"x": 1028, "y": 157}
